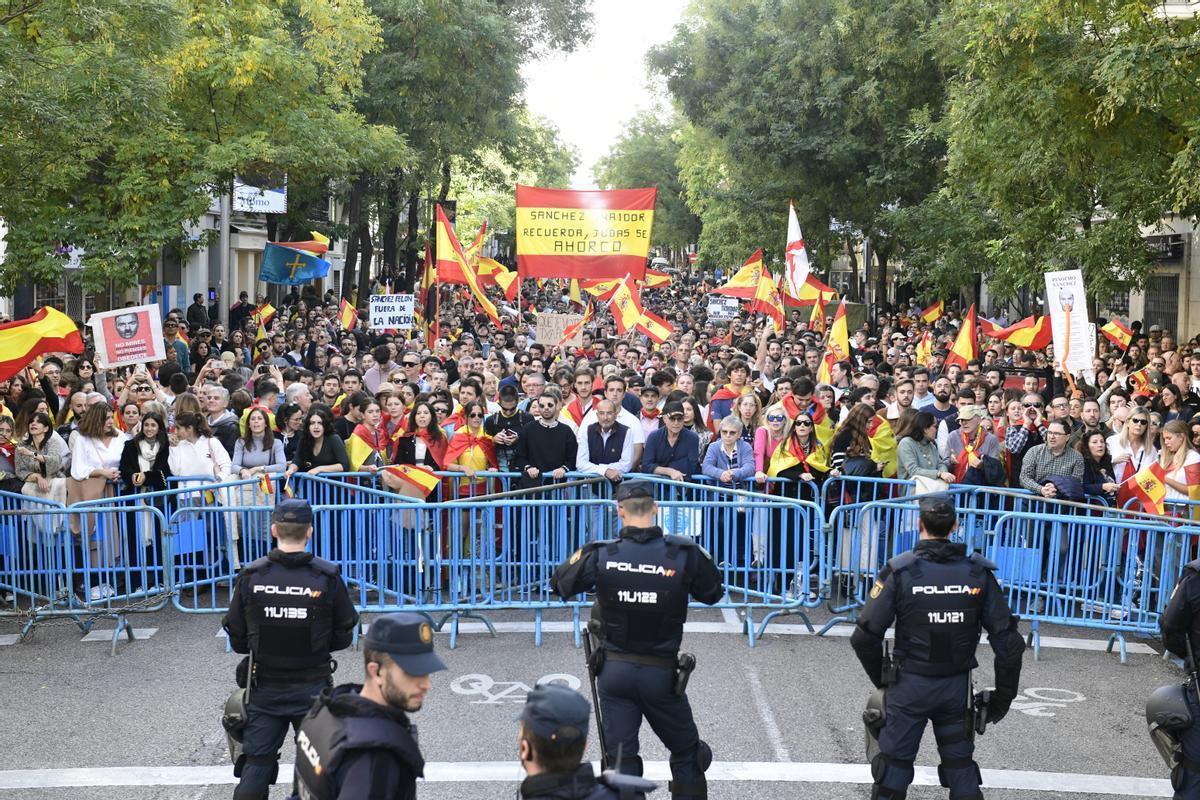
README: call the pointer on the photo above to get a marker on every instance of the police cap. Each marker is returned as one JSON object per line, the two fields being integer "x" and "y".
{"x": 556, "y": 712}
{"x": 408, "y": 639}
{"x": 293, "y": 510}
{"x": 628, "y": 490}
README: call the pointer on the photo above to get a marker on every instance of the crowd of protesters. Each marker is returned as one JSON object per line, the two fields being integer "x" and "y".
{"x": 734, "y": 402}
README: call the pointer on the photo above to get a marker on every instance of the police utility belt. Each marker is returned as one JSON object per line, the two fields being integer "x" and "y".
{"x": 261, "y": 675}
{"x": 682, "y": 665}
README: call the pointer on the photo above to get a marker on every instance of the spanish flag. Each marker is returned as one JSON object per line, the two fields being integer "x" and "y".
{"x": 925, "y": 349}
{"x": 573, "y": 293}
{"x": 347, "y": 315}
{"x": 810, "y": 292}
{"x": 366, "y": 448}
{"x": 420, "y": 478}
{"x": 427, "y": 300}
{"x": 601, "y": 289}
{"x": 47, "y": 331}
{"x": 655, "y": 327}
{"x": 790, "y": 454}
{"x": 464, "y": 441}
{"x": 1149, "y": 486}
{"x": 816, "y": 322}
{"x": 576, "y": 327}
{"x": 450, "y": 256}
{"x": 655, "y": 279}
{"x": 265, "y": 313}
{"x": 626, "y": 306}
{"x": 883, "y": 444}
{"x": 822, "y": 424}
{"x": 1031, "y": 333}
{"x": 837, "y": 348}
{"x": 745, "y": 282}
{"x": 767, "y": 300}
{"x": 966, "y": 344}
{"x": 1140, "y": 381}
{"x": 451, "y": 271}
{"x": 934, "y": 312}
{"x": 1118, "y": 333}
{"x": 183, "y": 337}
{"x": 265, "y": 485}
{"x": 572, "y": 412}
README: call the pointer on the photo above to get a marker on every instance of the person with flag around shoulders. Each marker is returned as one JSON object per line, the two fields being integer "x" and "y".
{"x": 289, "y": 612}
{"x": 357, "y": 742}
{"x": 940, "y": 599}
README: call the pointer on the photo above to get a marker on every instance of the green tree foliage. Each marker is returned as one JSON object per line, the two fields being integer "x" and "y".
{"x": 124, "y": 115}
{"x": 647, "y": 154}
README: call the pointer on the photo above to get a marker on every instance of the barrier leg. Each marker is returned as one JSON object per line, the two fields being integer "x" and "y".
{"x": 748, "y": 626}
{"x": 785, "y": 612}
{"x": 1113, "y": 639}
{"x": 123, "y": 626}
{"x": 1034, "y": 640}
{"x": 838, "y": 620}
{"x": 537, "y": 628}
{"x": 575, "y": 625}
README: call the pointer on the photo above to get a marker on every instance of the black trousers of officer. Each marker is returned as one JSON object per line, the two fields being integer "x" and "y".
{"x": 1186, "y": 777}
{"x": 630, "y": 691}
{"x": 269, "y": 712}
{"x": 912, "y": 701}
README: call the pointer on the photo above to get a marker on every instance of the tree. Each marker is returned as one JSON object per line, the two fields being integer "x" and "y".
{"x": 126, "y": 116}
{"x": 647, "y": 154}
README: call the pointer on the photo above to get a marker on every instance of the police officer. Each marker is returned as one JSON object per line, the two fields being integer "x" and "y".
{"x": 939, "y": 598}
{"x": 642, "y": 581}
{"x": 289, "y": 611}
{"x": 554, "y": 728}
{"x": 357, "y": 742}
{"x": 1180, "y": 633}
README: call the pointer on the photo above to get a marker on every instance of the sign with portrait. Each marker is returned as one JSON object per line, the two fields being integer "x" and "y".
{"x": 128, "y": 336}
{"x": 1066, "y": 304}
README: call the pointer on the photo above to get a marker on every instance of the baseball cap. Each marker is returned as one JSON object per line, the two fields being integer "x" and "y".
{"x": 650, "y": 389}
{"x": 556, "y": 712}
{"x": 673, "y": 407}
{"x": 970, "y": 412}
{"x": 940, "y": 504}
{"x": 629, "y": 490}
{"x": 293, "y": 510}
{"x": 408, "y": 639}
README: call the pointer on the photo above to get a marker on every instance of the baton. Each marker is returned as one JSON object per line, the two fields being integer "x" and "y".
{"x": 1191, "y": 665}
{"x": 587, "y": 651}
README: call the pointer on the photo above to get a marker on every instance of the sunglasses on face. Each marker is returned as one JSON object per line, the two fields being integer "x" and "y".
{"x": 1139, "y": 421}
{"x": 1033, "y": 405}
{"x": 675, "y": 418}
{"x": 441, "y": 411}
{"x": 411, "y": 364}
{"x": 475, "y": 415}
{"x": 775, "y": 418}
{"x": 546, "y": 406}
{"x": 804, "y": 424}
{"x": 729, "y": 433}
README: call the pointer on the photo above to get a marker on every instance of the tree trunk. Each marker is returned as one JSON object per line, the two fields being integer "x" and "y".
{"x": 410, "y": 241}
{"x": 444, "y": 192}
{"x": 390, "y": 228}
{"x": 354, "y": 221}
{"x": 881, "y": 283}
{"x": 366, "y": 248}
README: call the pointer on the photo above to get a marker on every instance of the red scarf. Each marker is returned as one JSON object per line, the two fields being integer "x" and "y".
{"x": 575, "y": 411}
{"x": 969, "y": 449}
{"x": 650, "y": 414}
{"x": 464, "y": 440}
{"x": 728, "y": 392}
{"x": 435, "y": 445}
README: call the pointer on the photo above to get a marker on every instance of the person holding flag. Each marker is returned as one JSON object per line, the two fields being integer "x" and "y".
{"x": 1180, "y": 464}
{"x": 368, "y": 444}
{"x": 471, "y": 451}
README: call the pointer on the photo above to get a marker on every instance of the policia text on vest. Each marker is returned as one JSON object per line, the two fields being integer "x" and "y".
{"x": 291, "y": 611}
{"x": 642, "y": 582}
{"x": 940, "y": 600}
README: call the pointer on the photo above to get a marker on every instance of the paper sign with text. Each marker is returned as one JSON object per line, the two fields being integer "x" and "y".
{"x": 722, "y": 309}
{"x": 394, "y": 311}
{"x": 550, "y": 328}
{"x": 1066, "y": 303}
{"x": 128, "y": 336}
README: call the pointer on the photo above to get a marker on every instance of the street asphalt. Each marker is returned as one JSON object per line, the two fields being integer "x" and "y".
{"x": 793, "y": 702}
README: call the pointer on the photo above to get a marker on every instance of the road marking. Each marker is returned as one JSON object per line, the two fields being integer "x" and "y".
{"x": 9, "y": 638}
{"x": 840, "y": 631}
{"x": 106, "y": 634}
{"x": 1036, "y": 702}
{"x": 768, "y": 717}
{"x": 510, "y": 772}
{"x": 506, "y": 691}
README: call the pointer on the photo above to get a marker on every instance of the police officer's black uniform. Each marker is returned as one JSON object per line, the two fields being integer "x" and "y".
{"x": 352, "y": 748}
{"x": 642, "y": 581}
{"x": 290, "y": 611}
{"x": 1180, "y": 621}
{"x": 939, "y": 598}
{"x": 559, "y": 714}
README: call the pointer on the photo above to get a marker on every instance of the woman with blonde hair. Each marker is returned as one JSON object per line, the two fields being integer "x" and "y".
{"x": 1180, "y": 463}
{"x": 1132, "y": 448}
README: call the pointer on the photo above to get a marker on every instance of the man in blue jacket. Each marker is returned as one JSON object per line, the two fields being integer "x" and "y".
{"x": 671, "y": 450}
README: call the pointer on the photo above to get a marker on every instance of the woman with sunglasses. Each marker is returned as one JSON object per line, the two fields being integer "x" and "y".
{"x": 471, "y": 451}
{"x": 1131, "y": 448}
{"x": 767, "y": 439}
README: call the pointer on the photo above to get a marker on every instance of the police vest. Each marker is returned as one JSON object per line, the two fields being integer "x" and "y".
{"x": 641, "y": 588}
{"x": 325, "y": 739}
{"x": 289, "y": 613}
{"x": 938, "y": 610}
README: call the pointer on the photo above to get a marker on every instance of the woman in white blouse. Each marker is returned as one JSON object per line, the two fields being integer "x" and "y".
{"x": 95, "y": 465}
{"x": 197, "y": 454}
{"x": 1131, "y": 448}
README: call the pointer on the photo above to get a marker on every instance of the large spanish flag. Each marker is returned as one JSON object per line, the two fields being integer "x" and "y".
{"x": 492, "y": 272}
{"x": 575, "y": 328}
{"x": 883, "y": 444}
{"x": 1118, "y": 333}
{"x": 768, "y": 301}
{"x": 450, "y": 256}
{"x": 566, "y": 233}
{"x": 966, "y": 344}
{"x": 934, "y": 312}
{"x": 1149, "y": 486}
{"x": 47, "y": 331}
{"x": 601, "y": 290}
{"x": 365, "y": 448}
{"x": 451, "y": 272}
{"x": 838, "y": 347}
{"x": 420, "y": 479}
{"x": 744, "y": 283}
{"x": 656, "y": 279}
{"x": 1031, "y": 333}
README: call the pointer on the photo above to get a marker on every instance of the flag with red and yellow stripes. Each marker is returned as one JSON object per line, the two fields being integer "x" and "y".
{"x": 1149, "y": 486}
{"x": 347, "y": 315}
{"x": 450, "y": 256}
{"x": 1031, "y": 333}
{"x": 47, "y": 331}
{"x": 574, "y": 328}
{"x": 654, "y": 326}
{"x": 1118, "y": 333}
{"x": 966, "y": 344}
{"x": 934, "y": 312}
{"x": 745, "y": 282}
{"x": 625, "y": 305}
{"x": 768, "y": 301}
{"x": 420, "y": 478}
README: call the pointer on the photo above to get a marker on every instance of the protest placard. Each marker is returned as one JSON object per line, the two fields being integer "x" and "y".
{"x": 392, "y": 312}
{"x": 550, "y": 328}
{"x": 128, "y": 336}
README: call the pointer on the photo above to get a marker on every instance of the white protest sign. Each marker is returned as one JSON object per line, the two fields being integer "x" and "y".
{"x": 128, "y": 336}
{"x": 392, "y": 311}
{"x": 1066, "y": 303}
{"x": 722, "y": 309}
{"x": 550, "y": 329}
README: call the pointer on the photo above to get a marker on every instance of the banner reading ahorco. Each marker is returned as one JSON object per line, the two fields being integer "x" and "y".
{"x": 591, "y": 234}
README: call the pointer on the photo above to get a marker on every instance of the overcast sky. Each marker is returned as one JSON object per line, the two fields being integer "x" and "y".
{"x": 592, "y": 93}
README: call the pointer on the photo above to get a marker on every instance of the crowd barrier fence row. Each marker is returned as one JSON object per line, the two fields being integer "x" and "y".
{"x": 491, "y": 543}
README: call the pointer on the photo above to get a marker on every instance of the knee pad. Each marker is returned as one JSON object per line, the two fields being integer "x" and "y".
{"x": 704, "y": 755}
{"x": 879, "y": 767}
{"x": 880, "y": 793}
{"x": 263, "y": 761}
{"x": 957, "y": 764}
